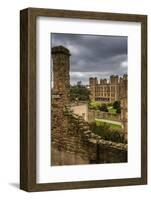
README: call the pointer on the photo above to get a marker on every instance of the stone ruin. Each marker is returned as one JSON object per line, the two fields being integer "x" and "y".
{"x": 72, "y": 142}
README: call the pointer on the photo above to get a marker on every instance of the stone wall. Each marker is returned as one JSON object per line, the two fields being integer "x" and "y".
{"x": 93, "y": 114}
{"x": 81, "y": 146}
{"x": 80, "y": 109}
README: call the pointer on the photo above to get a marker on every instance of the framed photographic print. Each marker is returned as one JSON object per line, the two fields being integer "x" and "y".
{"x": 83, "y": 99}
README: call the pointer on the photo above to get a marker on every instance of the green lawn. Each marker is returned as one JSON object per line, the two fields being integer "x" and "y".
{"x": 107, "y": 131}
{"x": 113, "y": 126}
{"x": 96, "y": 105}
{"x": 111, "y": 110}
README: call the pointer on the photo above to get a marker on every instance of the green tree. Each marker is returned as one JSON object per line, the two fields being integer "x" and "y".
{"x": 117, "y": 106}
{"x": 79, "y": 92}
{"x": 94, "y": 105}
{"x": 103, "y": 108}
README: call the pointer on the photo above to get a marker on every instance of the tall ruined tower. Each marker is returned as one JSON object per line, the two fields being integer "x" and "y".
{"x": 61, "y": 67}
{"x": 60, "y": 98}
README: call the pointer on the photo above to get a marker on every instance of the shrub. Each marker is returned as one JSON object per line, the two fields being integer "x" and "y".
{"x": 103, "y": 108}
{"x": 109, "y": 104}
{"x": 94, "y": 105}
{"x": 106, "y": 132}
{"x": 117, "y": 106}
{"x": 118, "y": 110}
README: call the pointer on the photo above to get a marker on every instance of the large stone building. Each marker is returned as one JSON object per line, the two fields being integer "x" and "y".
{"x": 107, "y": 90}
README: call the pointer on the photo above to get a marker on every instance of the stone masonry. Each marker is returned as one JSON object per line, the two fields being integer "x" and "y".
{"x": 60, "y": 95}
{"x": 72, "y": 142}
{"x": 107, "y": 91}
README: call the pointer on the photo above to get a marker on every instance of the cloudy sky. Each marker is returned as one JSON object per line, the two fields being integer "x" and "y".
{"x": 93, "y": 56}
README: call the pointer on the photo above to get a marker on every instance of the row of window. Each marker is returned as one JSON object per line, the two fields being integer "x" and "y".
{"x": 105, "y": 94}
{"x": 104, "y": 99}
{"x": 105, "y": 89}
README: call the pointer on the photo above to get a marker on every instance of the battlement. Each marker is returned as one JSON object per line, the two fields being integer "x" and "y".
{"x": 114, "y": 79}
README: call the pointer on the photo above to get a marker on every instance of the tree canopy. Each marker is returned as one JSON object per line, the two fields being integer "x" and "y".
{"x": 103, "y": 108}
{"x": 79, "y": 92}
{"x": 117, "y": 106}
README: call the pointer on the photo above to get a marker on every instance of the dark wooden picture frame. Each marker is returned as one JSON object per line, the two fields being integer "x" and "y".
{"x": 28, "y": 98}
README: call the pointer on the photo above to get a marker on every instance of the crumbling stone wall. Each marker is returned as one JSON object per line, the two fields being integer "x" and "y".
{"x": 81, "y": 146}
{"x": 72, "y": 142}
{"x": 90, "y": 146}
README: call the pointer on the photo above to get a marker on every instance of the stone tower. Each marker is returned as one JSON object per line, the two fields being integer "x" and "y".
{"x": 60, "y": 98}
{"x": 61, "y": 65}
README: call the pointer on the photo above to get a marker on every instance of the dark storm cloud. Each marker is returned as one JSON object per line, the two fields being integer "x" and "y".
{"x": 96, "y": 56}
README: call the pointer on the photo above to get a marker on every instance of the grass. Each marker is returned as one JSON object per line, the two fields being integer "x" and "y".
{"x": 107, "y": 131}
{"x": 115, "y": 126}
{"x": 111, "y": 110}
{"x": 96, "y": 105}
{"x": 112, "y": 126}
